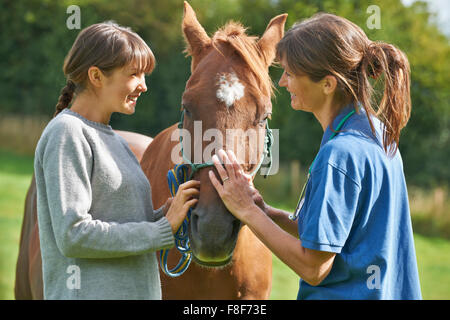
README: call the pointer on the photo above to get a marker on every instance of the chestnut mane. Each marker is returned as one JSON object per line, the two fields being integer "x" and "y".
{"x": 234, "y": 34}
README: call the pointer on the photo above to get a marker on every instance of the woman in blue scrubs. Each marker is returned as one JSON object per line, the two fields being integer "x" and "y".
{"x": 350, "y": 236}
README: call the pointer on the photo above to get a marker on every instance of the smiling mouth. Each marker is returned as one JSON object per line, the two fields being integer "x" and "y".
{"x": 132, "y": 98}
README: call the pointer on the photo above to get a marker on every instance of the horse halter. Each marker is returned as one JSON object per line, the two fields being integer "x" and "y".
{"x": 267, "y": 152}
{"x": 179, "y": 175}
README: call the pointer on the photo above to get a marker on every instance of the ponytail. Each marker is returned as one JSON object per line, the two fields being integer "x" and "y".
{"x": 382, "y": 59}
{"x": 65, "y": 97}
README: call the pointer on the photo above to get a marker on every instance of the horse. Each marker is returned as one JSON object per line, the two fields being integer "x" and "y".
{"x": 28, "y": 281}
{"x": 229, "y": 88}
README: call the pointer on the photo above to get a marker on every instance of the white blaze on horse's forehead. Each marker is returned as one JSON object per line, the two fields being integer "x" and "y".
{"x": 230, "y": 89}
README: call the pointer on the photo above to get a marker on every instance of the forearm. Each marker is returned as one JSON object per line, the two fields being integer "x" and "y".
{"x": 98, "y": 239}
{"x": 285, "y": 246}
{"x": 281, "y": 218}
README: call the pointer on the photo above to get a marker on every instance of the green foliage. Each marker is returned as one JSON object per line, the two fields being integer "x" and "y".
{"x": 35, "y": 40}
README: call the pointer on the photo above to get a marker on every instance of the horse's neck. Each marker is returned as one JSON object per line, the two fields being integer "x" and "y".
{"x": 157, "y": 161}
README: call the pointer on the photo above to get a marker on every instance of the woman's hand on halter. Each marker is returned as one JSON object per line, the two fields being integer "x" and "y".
{"x": 236, "y": 190}
{"x": 185, "y": 198}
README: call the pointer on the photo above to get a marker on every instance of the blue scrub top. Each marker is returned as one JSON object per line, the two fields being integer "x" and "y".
{"x": 356, "y": 205}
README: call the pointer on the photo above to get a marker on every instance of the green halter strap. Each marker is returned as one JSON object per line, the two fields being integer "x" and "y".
{"x": 268, "y": 142}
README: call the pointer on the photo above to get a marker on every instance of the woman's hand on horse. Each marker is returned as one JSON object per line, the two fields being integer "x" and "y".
{"x": 185, "y": 198}
{"x": 236, "y": 189}
{"x": 259, "y": 201}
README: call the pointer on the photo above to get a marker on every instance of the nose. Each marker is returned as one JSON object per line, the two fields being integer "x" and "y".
{"x": 282, "y": 82}
{"x": 142, "y": 84}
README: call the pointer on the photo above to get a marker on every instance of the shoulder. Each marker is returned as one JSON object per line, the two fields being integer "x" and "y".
{"x": 351, "y": 153}
{"x": 63, "y": 132}
{"x": 63, "y": 124}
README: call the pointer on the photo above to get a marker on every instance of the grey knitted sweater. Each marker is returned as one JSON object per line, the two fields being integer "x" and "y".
{"x": 98, "y": 230}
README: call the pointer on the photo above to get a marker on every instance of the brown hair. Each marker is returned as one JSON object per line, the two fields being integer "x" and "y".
{"x": 326, "y": 44}
{"x": 107, "y": 46}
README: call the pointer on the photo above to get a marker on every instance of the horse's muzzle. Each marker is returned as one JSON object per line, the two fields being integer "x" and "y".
{"x": 213, "y": 235}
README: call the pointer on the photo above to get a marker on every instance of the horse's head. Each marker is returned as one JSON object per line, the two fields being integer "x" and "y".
{"x": 229, "y": 88}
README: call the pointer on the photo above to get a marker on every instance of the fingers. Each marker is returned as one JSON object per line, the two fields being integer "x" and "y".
{"x": 217, "y": 185}
{"x": 228, "y": 163}
{"x": 232, "y": 167}
{"x": 191, "y": 203}
{"x": 236, "y": 166}
{"x": 188, "y": 190}
{"x": 189, "y": 184}
{"x": 185, "y": 198}
{"x": 248, "y": 177}
{"x": 189, "y": 193}
{"x": 223, "y": 174}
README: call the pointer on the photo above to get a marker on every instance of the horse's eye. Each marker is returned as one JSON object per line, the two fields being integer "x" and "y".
{"x": 186, "y": 111}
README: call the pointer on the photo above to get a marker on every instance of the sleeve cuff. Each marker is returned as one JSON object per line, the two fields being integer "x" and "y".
{"x": 320, "y": 246}
{"x": 158, "y": 214}
{"x": 165, "y": 240}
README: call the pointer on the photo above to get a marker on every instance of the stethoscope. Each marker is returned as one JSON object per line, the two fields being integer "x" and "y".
{"x": 301, "y": 199}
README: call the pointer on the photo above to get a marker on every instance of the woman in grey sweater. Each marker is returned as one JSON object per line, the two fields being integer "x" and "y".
{"x": 98, "y": 228}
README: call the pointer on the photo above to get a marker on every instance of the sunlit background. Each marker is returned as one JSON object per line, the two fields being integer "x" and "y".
{"x": 34, "y": 39}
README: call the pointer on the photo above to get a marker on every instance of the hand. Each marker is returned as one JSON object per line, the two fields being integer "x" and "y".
{"x": 257, "y": 197}
{"x": 236, "y": 189}
{"x": 259, "y": 201}
{"x": 166, "y": 206}
{"x": 185, "y": 198}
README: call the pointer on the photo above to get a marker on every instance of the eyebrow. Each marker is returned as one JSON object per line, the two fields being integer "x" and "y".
{"x": 285, "y": 68}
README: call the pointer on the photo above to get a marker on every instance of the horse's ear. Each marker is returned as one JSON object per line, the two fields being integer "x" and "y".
{"x": 196, "y": 38}
{"x": 273, "y": 34}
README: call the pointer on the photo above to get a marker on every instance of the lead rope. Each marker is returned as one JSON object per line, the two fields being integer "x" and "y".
{"x": 175, "y": 177}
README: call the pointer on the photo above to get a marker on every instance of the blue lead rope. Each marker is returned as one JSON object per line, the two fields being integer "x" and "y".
{"x": 175, "y": 177}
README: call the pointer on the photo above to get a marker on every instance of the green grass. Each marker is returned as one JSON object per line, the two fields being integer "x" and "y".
{"x": 284, "y": 281}
{"x": 433, "y": 254}
{"x": 15, "y": 177}
{"x": 433, "y": 258}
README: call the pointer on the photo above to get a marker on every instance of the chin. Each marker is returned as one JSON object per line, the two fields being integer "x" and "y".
{"x": 128, "y": 110}
{"x": 300, "y": 107}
